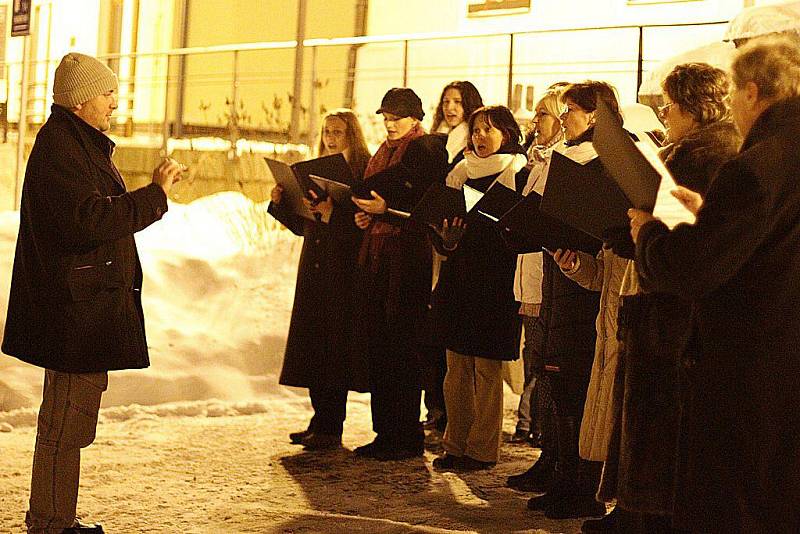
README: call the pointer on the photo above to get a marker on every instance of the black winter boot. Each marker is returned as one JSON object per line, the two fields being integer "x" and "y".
{"x": 582, "y": 503}
{"x": 566, "y": 473}
{"x": 539, "y": 477}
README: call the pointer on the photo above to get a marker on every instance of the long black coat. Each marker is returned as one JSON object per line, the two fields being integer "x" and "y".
{"x": 319, "y": 346}
{"x": 474, "y": 304}
{"x": 739, "y": 445}
{"x": 75, "y": 303}
{"x": 655, "y": 329}
{"x": 395, "y": 285}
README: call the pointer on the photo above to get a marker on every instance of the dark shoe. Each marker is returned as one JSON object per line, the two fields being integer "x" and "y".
{"x": 543, "y": 502}
{"x": 321, "y": 442}
{"x": 559, "y": 491}
{"x": 519, "y": 436}
{"x": 399, "y": 453}
{"x": 535, "y": 484}
{"x": 297, "y": 437}
{"x": 446, "y": 462}
{"x": 83, "y": 528}
{"x": 538, "y": 478}
{"x": 377, "y": 447}
{"x": 369, "y": 450}
{"x": 575, "y": 506}
{"x": 608, "y": 523}
{"x": 471, "y": 464}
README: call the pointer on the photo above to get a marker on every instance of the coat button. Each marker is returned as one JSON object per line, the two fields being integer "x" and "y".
{"x": 316, "y": 265}
{"x": 316, "y": 241}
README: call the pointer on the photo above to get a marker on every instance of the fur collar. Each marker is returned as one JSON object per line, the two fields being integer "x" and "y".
{"x": 695, "y": 159}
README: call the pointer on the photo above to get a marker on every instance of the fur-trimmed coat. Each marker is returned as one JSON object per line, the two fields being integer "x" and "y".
{"x": 738, "y": 453}
{"x": 654, "y": 329}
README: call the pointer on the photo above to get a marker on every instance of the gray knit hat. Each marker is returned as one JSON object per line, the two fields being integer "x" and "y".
{"x": 79, "y": 78}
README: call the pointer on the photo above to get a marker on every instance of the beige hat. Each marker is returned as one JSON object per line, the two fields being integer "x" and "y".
{"x": 79, "y": 78}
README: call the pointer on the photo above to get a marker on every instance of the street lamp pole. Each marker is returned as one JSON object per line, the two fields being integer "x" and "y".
{"x": 22, "y": 123}
{"x": 297, "y": 94}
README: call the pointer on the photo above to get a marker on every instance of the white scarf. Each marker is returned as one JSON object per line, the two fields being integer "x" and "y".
{"x": 472, "y": 167}
{"x": 456, "y": 139}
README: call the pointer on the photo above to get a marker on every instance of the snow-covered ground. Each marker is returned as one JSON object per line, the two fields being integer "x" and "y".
{"x": 219, "y": 281}
{"x": 198, "y": 442}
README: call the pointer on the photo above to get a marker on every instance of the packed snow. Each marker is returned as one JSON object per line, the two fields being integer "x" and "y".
{"x": 198, "y": 441}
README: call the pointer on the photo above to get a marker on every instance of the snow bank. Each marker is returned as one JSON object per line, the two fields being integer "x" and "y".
{"x": 218, "y": 289}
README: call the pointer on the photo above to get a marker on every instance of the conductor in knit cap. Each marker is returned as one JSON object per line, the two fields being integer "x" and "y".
{"x": 75, "y": 307}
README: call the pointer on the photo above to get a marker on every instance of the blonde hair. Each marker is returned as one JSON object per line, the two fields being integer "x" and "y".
{"x": 772, "y": 64}
{"x": 359, "y": 153}
{"x": 551, "y": 100}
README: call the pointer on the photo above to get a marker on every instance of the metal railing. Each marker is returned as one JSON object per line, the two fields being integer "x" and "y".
{"x": 244, "y": 90}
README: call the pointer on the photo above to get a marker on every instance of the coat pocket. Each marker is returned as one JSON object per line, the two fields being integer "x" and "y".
{"x": 85, "y": 282}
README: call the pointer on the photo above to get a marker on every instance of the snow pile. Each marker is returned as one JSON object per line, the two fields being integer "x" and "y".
{"x": 218, "y": 289}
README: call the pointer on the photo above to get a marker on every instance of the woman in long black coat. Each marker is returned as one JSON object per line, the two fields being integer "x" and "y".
{"x": 474, "y": 300}
{"x": 395, "y": 261}
{"x": 320, "y": 354}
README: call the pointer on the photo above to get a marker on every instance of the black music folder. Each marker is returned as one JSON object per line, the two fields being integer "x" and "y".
{"x": 338, "y": 191}
{"x": 495, "y": 202}
{"x": 542, "y": 230}
{"x": 439, "y": 203}
{"x": 630, "y": 169}
{"x": 390, "y": 183}
{"x": 584, "y": 197}
{"x": 333, "y": 167}
{"x": 293, "y": 192}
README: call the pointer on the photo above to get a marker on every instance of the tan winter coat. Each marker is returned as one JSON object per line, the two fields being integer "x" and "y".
{"x": 603, "y": 273}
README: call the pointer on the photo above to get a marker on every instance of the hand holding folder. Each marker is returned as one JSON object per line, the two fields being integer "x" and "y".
{"x": 540, "y": 230}
{"x": 439, "y": 203}
{"x": 293, "y": 193}
{"x": 297, "y": 182}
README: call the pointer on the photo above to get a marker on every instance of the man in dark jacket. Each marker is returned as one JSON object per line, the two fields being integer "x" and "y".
{"x": 738, "y": 446}
{"x": 75, "y": 307}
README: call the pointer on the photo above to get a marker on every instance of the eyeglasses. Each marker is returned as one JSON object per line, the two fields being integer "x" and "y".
{"x": 663, "y": 110}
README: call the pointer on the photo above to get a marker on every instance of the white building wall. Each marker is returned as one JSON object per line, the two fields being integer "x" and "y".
{"x": 539, "y": 59}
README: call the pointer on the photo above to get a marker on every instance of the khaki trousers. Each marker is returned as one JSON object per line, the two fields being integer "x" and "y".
{"x": 67, "y": 422}
{"x": 473, "y": 395}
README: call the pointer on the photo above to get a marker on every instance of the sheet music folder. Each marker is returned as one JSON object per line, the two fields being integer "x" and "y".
{"x": 626, "y": 164}
{"x": 293, "y": 192}
{"x": 439, "y": 203}
{"x": 542, "y": 230}
{"x": 495, "y": 202}
{"x": 584, "y": 197}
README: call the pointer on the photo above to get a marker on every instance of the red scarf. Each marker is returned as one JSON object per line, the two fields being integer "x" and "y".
{"x": 389, "y": 153}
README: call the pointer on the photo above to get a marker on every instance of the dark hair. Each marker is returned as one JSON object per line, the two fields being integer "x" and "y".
{"x": 700, "y": 90}
{"x": 499, "y": 117}
{"x": 470, "y": 101}
{"x": 586, "y": 94}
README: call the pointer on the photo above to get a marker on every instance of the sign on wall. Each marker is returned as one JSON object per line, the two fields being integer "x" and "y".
{"x": 21, "y": 18}
{"x": 480, "y": 8}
